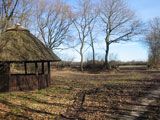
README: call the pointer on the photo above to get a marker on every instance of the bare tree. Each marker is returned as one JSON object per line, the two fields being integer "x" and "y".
{"x": 82, "y": 23}
{"x": 118, "y": 23}
{"x": 92, "y": 39}
{"x": 24, "y": 13}
{"x": 94, "y": 12}
{"x": 15, "y": 11}
{"x": 153, "y": 40}
{"x": 7, "y": 10}
{"x": 53, "y": 20}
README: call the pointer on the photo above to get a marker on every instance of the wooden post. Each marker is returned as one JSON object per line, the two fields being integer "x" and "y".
{"x": 49, "y": 74}
{"x": 49, "y": 66}
{"x": 36, "y": 72}
{"x": 9, "y": 75}
{"x": 7, "y": 86}
{"x": 36, "y": 68}
{"x": 25, "y": 67}
{"x": 42, "y": 67}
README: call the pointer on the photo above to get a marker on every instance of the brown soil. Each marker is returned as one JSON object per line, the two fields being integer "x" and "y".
{"x": 106, "y": 96}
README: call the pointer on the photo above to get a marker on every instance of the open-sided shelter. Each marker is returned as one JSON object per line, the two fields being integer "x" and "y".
{"x": 29, "y": 59}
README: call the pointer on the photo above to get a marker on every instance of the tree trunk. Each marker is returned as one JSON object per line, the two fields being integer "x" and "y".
{"x": 93, "y": 50}
{"x": 93, "y": 55}
{"x": 81, "y": 63}
{"x": 107, "y": 66}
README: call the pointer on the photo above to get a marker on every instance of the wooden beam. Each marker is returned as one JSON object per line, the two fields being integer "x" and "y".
{"x": 8, "y": 76}
{"x": 36, "y": 68}
{"x": 49, "y": 67}
{"x": 49, "y": 74}
{"x": 6, "y": 69}
{"x": 25, "y": 67}
{"x": 9, "y": 68}
{"x": 42, "y": 67}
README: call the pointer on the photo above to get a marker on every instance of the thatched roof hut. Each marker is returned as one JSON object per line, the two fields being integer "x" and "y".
{"x": 18, "y": 45}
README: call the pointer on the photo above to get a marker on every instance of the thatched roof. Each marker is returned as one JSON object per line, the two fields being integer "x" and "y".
{"x": 18, "y": 44}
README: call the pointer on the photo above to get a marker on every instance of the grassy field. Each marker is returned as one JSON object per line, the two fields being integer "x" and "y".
{"x": 120, "y": 92}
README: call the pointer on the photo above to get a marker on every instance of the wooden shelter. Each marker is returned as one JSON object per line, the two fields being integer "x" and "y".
{"x": 20, "y": 48}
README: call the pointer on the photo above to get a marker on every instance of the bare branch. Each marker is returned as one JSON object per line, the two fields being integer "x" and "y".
{"x": 53, "y": 22}
{"x": 119, "y": 21}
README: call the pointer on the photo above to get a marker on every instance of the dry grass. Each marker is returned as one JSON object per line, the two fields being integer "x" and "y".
{"x": 47, "y": 103}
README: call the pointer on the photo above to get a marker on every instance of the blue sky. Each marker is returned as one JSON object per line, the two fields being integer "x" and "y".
{"x": 145, "y": 10}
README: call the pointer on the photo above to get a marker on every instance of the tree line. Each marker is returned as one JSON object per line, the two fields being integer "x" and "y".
{"x": 62, "y": 25}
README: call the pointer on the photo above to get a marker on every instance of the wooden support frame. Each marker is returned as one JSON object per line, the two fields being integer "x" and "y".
{"x": 49, "y": 67}
{"x": 39, "y": 78}
{"x": 25, "y": 67}
{"x": 36, "y": 68}
{"x": 42, "y": 67}
{"x": 49, "y": 73}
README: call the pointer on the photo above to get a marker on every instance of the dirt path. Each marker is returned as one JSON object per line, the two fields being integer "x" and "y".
{"x": 139, "y": 110}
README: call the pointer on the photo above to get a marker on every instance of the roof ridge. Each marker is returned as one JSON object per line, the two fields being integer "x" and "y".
{"x": 17, "y": 27}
